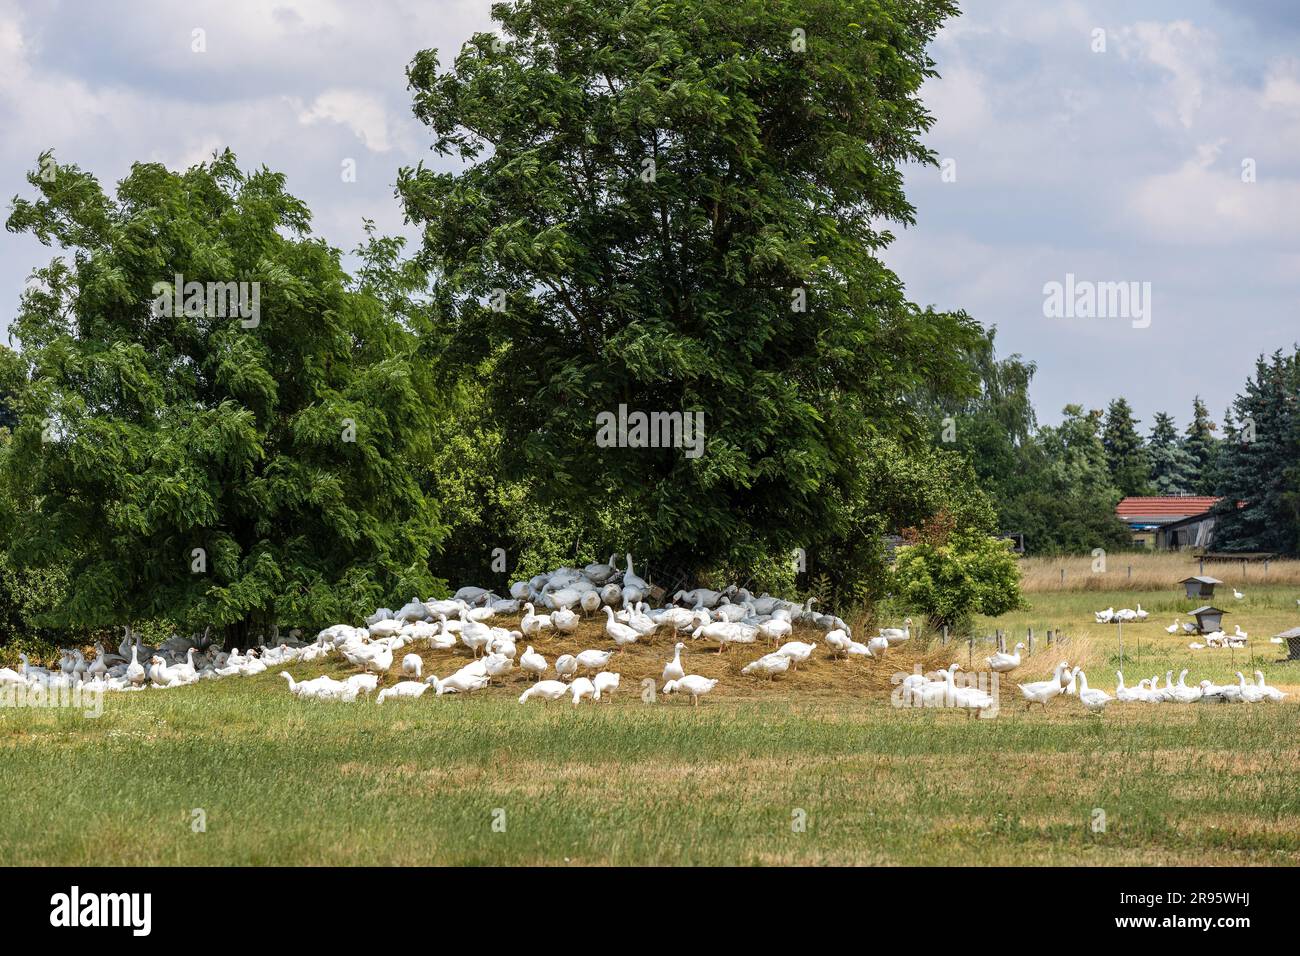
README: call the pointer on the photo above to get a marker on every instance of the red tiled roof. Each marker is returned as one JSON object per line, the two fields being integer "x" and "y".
{"x": 1171, "y": 506}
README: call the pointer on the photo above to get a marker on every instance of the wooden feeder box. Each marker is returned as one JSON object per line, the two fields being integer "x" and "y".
{"x": 1200, "y": 586}
{"x": 1208, "y": 619}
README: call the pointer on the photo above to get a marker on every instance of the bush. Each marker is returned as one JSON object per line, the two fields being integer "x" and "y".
{"x": 948, "y": 579}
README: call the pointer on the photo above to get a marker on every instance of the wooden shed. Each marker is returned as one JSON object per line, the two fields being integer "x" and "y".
{"x": 1208, "y": 619}
{"x": 1200, "y": 586}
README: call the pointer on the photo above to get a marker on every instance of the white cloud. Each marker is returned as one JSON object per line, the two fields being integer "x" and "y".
{"x": 360, "y": 112}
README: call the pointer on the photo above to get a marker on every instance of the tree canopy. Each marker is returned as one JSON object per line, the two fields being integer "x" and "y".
{"x": 678, "y": 206}
{"x": 250, "y": 457}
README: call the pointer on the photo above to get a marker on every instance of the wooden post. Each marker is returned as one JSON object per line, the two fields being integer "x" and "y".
{"x": 1062, "y": 577}
{"x": 1031, "y": 642}
{"x": 1202, "y": 571}
{"x": 1049, "y": 637}
{"x": 970, "y": 651}
{"x": 1120, "y": 629}
{"x": 943, "y": 641}
{"x": 1130, "y": 572}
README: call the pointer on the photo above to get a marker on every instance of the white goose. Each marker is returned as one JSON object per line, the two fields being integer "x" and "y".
{"x": 692, "y": 684}
{"x": 673, "y": 670}
{"x": 1093, "y": 699}
{"x": 566, "y": 665}
{"x": 1004, "y": 663}
{"x": 1270, "y": 693}
{"x": 580, "y": 688}
{"x": 592, "y": 660}
{"x": 1040, "y": 692}
{"x": 532, "y": 624}
{"x": 769, "y": 666}
{"x": 565, "y": 621}
{"x": 412, "y": 665}
{"x": 406, "y": 688}
{"x": 797, "y": 651}
{"x": 896, "y": 636}
{"x": 532, "y": 663}
{"x": 545, "y": 690}
{"x": 606, "y": 682}
{"x": 622, "y": 634}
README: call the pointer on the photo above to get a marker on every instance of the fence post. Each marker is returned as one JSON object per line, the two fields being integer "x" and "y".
{"x": 943, "y": 641}
{"x": 1130, "y": 572}
{"x": 1031, "y": 642}
{"x": 1062, "y": 577}
{"x": 1049, "y": 637}
{"x": 1202, "y": 571}
{"x": 970, "y": 651}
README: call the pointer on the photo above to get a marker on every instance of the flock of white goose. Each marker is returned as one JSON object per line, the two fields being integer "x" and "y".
{"x": 1067, "y": 681}
{"x": 134, "y": 666}
{"x": 556, "y": 602}
{"x": 564, "y": 596}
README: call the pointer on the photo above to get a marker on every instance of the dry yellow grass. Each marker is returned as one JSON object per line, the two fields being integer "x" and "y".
{"x": 1151, "y": 571}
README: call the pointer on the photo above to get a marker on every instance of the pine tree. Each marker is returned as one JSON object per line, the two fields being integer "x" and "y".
{"x": 1126, "y": 456}
{"x": 1258, "y": 465}
{"x": 1202, "y": 445}
{"x": 1171, "y": 464}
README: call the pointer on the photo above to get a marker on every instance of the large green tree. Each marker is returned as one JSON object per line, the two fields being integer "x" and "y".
{"x": 678, "y": 206}
{"x": 1126, "y": 456}
{"x": 232, "y": 471}
{"x": 1066, "y": 503}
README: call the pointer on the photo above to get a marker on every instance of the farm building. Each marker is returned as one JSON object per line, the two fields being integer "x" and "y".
{"x": 1169, "y": 522}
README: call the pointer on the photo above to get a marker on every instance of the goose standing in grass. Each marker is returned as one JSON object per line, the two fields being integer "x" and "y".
{"x": 1140, "y": 614}
{"x": 621, "y": 634}
{"x": 1237, "y": 594}
{"x": 566, "y": 665}
{"x": 497, "y": 665}
{"x": 412, "y": 665}
{"x": 532, "y": 663}
{"x": 673, "y": 670}
{"x": 1004, "y": 663}
{"x": 838, "y": 641}
{"x": 590, "y": 602}
{"x": 896, "y": 636}
{"x": 474, "y": 634}
{"x": 1172, "y": 628}
{"x": 769, "y": 665}
{"x": 606, "y": 682}
{"x": 592, "y": 660}
{"x": 564, "y": 620}
{"x": 775, "y": 629}
{"x": 381, "y": 660}
{"x": 797, "y": 651}
{"x": 692, "y": 684}
{"x": 545, "y": 690}
{"x": 464, "y": 681}
{"x": 580, "y": 688}
{"x": 406, "y": 688}
{"x": 134, "y": 671}
{"x": 1040, "y": 692}
{"x": 532, "y": 624}
{"x": 1106, "y": 616}
{"x": 1250, "y": 693}
{"x": 1093, "y": 699}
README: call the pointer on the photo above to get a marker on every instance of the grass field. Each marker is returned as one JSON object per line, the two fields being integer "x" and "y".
{"x": 817, "y": 768}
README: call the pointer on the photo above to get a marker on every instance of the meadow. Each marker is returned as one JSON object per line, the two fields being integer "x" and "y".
{"x": 817, "y": 767}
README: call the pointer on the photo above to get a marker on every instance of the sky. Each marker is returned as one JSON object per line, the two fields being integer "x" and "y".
{"x": 1086, "y": 144}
